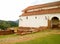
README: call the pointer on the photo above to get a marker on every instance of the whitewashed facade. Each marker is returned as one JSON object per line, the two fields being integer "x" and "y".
{"x": 36, "y": 20}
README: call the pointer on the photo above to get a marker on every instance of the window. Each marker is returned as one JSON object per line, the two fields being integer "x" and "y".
{"x": 35, "y": 17}
{"x": 26, "y": 17}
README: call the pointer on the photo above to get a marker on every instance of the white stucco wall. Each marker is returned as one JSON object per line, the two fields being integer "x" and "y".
{"x": 41, "y": 20}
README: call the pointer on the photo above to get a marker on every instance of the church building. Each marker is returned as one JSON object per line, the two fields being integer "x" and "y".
{"x": 43, "y": 15}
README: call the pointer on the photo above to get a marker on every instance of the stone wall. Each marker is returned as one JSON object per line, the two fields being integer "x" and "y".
{"x": 6, "y": 32}
{"x": 27, "y": 30}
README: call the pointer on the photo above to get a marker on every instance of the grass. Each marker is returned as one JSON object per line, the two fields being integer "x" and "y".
{"x": 42, "y": 37}
{"x": 51, "y": 39}
{"x": 6, "y": 36}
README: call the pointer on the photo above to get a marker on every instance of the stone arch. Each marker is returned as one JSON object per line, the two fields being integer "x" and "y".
{"x": 55, "y": 22}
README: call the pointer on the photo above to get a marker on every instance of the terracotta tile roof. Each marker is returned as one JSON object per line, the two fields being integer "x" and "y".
{"x": 43, "y": 5}
{"x": 49, "y": 11}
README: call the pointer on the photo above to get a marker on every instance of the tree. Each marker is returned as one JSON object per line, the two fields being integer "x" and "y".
{"x": 4, "y": 25}
{"x": 7, "y": 24}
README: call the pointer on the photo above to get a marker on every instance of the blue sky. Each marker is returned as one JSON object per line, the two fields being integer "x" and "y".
{"x": 11, "y": 9}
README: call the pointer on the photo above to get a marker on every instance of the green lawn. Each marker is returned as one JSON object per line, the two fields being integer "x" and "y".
{"x": 51, "y": 39}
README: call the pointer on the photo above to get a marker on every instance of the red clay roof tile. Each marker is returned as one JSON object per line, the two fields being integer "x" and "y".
{"x": 43, "y": 5}
{"x": 50, "y": 11}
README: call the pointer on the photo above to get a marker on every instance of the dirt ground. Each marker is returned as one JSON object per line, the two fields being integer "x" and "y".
{"x": 12, "y": 40}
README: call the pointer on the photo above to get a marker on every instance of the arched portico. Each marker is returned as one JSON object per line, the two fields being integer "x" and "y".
{"x": 55, "y": 22}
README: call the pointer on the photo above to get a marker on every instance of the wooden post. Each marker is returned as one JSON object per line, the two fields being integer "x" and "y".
{"x": 49, "y": 23}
